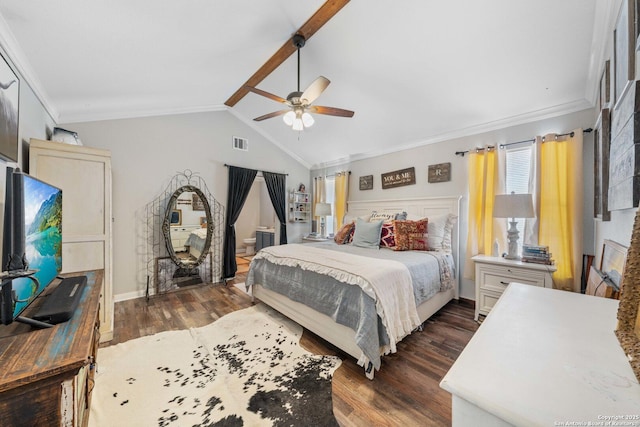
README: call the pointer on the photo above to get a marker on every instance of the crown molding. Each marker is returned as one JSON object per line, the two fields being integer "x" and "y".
{"x": 22, "y": 65}
{"x": 95, "y": 116}
{"x": 79, "y": 117}
{"x": 533, "y": 116}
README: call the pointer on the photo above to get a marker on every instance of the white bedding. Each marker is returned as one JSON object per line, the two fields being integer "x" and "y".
{"x": 387, "y": 282}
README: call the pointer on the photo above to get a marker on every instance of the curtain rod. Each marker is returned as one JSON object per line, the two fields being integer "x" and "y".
{"x": 329, "y": 176}
{"x": 279, "y": 173}
{"x": 571, "y": 134}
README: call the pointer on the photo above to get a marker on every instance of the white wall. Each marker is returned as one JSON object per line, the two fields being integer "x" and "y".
{"x": 146, "y": 154}
{"x": 444, "y": 152}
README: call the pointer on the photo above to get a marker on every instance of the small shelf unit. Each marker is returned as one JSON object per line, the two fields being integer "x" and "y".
{"x": 299, "y": 207}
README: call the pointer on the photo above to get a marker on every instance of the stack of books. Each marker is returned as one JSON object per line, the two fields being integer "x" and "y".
{"x": 536, "y": 254}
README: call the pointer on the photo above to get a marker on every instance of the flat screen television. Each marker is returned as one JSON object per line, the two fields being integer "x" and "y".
{"x": 32, "y": 241}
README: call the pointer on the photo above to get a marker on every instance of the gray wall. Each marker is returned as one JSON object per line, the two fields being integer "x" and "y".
{"x": 444, "y": 152}
{"x": 147, "y": 153}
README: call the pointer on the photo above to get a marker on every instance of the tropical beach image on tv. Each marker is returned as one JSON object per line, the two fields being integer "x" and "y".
{"x": 43, "y": 239}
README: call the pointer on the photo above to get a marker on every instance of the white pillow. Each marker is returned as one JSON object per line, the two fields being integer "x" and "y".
{"x": 348, "y": 217}
{"x": 439, "y": 230}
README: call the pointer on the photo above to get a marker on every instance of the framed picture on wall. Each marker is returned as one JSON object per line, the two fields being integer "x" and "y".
{"x": 636, "y": 9}
{"x": 614, "y": 256}
{"x": 9, "y": 105}
{"x": 624, "y": 41}
{"x": 605, "y": 86}
{"x": 196, "y": 202}
{"x": 176, "y": 217}
{"x": 601, "y": 157}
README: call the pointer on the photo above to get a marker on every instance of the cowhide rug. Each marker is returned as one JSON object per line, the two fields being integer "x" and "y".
{"x": 244, "y": 369}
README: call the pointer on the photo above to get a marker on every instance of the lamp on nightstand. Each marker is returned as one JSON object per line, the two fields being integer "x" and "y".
{"x": 513, "y": 206}
{"x": 323, "y": 210}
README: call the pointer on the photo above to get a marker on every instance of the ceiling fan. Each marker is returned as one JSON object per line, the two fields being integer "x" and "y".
{"x": 299, "y": 103}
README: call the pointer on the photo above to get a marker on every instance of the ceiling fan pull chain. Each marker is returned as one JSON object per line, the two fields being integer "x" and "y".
{"x": 298, "y": 69}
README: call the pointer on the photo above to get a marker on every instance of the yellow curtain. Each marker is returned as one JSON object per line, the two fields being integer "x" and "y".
{"x": 483, "y": 183}
{"x": 318, "y": 197}
{"x": 560, "y": 219}
{"x": 341, "y": 194}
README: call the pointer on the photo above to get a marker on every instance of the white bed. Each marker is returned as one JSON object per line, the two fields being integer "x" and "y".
{"x": 342, "y": 336}
{"x": 196, "y": 241}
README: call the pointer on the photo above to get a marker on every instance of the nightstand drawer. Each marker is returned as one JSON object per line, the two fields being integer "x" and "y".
{"x": 498, "y": 280}
{"x": 493, "y": 275}
{"x": 486, "y": 301}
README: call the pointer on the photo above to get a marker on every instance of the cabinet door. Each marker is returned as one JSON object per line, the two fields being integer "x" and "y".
{"x": 259, "y": 240}
{"x": 84, "y": 175}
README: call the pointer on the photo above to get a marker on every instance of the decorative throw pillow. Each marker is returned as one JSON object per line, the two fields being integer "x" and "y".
{"x": 440, "y": 229}
{"x": 367, "y": 234}
{"x": 401, "y": 216}
{"x": 342, "y": 234}
{"x": 387, "y": 235}
{"x": 349, "y": 239}
{"x": 411, "y": 235}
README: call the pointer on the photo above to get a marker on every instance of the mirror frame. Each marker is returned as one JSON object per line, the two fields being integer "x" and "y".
{"x": 166, "y": 226}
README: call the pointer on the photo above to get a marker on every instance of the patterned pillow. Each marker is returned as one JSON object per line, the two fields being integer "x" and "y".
{"x": 411, "y": 235}
{"x": 349, "y": 238}
{"x": 344, "y": 232}
{"x": 387, "y": 236}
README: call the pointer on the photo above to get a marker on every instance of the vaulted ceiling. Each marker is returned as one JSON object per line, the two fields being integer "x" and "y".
{"x": 414, "y": 71}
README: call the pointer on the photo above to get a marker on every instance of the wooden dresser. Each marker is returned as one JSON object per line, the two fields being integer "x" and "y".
{"x": 46, "y": 375}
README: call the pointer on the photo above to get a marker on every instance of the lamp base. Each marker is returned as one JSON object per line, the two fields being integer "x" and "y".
{"x": 512, "y": 236}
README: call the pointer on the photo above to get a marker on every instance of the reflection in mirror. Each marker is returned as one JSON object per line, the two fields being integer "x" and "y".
{"x": 188, "y": 229}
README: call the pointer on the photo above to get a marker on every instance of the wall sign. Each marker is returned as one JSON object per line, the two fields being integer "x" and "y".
{"x": 440, "y": 172}
{"x": 366, "y": 182}
{"x": 399, "y": 178}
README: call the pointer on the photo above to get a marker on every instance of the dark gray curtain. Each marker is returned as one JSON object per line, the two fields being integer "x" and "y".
{"x": 240, "y": 180}
{"x": 277, "y": 194}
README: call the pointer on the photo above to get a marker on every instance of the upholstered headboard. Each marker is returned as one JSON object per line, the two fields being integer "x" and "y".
{"x": 419, "y": 207}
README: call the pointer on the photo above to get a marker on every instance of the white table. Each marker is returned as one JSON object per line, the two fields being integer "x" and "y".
{"x": 544, "y": 357}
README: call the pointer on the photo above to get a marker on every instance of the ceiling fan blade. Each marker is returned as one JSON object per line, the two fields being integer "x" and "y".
{"x": 270, "y": 115}
{"x": 266, "y": 94}
{"x": 309, "y": 28}
{"x": 314, "y": 90}
{"x": 331, "y": 111}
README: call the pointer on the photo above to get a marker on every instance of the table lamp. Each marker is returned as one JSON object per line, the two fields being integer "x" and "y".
{"x": 323, "y": 210}
{"x": 513, "y": 206}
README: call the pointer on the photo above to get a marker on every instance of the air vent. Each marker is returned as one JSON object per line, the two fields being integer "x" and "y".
{"x": 240, "y": 143}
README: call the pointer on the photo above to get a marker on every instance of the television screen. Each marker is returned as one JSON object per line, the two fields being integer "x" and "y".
{"x": 42, "y": 238}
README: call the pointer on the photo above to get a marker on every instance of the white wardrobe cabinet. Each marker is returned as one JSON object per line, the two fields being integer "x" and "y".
{"x": 84, "y": 175}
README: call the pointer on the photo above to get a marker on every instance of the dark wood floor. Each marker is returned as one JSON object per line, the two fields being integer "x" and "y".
{"x": 405, "y": 392}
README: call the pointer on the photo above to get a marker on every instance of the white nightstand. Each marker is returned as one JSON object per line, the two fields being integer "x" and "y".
{"x": 493, "y": 274}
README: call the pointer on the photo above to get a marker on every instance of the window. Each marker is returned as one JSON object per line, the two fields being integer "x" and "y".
{"x": 518, "y": 170}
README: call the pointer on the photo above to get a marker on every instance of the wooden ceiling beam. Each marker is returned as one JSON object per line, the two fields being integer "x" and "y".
{"x": 308, "y": 29}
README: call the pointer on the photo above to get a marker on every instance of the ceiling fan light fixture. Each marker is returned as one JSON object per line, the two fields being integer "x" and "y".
{"x": 288, "y": 118}
{"x": 307, "y": 120}
{"x": 297, "y": 124}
